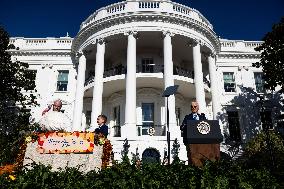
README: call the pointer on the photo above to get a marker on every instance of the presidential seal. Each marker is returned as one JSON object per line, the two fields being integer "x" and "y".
{"x": 203, "y": 128}
{"x": 151, "y": 131}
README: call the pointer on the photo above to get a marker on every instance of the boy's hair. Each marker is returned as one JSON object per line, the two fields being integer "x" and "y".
{"x": 103, "y": 117}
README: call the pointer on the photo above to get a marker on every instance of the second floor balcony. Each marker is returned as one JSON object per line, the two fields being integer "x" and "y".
{"x": 150, "y": 68}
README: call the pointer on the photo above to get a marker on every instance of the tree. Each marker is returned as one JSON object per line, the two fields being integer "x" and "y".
{"x": 14, "y": 79}
{"x": 272, "y": 57}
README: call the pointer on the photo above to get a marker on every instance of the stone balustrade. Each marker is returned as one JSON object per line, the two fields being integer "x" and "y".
{"x": 239, "y": 45}
{"x": 41, "y": 43}
{"x": 158, "y": 6}
{"x": 252, "y": 44}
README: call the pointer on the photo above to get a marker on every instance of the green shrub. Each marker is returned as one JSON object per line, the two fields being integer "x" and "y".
{"x": 124, "y": 175}
{"x": 266, "y": 150}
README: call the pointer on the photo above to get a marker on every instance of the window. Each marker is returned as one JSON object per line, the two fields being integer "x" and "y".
{"x": 116, "y": 115}
{"x": 229, "y": 82}
{"x": 259, "y": 83}
{"x": 88, "y": 117}
{"x": 32, "y": 74}
{"x": 266, "y": 120}
{"x": 116, "y": 119}
{"x": 147, "y": 117}
{"x": 234, "y": 126}
{"x": 178, "y": 116}
{"x": 148, "y": 65}
{"x": 62, "y": 80}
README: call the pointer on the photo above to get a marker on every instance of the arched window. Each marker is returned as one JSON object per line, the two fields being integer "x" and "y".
{"x": 151, "y": 155}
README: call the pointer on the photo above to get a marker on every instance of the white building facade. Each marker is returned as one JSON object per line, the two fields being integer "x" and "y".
{"x": 123, "y": 58}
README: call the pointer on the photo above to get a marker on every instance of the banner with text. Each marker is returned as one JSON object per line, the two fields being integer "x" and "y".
{"x": 76, "y": 142}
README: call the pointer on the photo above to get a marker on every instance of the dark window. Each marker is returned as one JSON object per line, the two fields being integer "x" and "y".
{"x": 147, "y": 65}
{"x": 259, "y": 83}
{"x": 178, "y": 116}
{"x": 88, "y": 117}
{"x": 151, "y": 155}
{"x": 234, "y": 126}
{"x": 32, "y": 74}
{"x": 62, "y": 80}
{"x": 266, "y": 120}
{"x": 147, "y": 117}
{"x": 116, "y": 119}
{"x": 229, "y": 82}
{"x": 116, "y": 115}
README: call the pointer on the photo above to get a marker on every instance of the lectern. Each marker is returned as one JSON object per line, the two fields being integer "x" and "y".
{"x": 202, "y": 139}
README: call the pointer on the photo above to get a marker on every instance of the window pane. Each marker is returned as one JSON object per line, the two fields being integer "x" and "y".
{"x": 229, "y": 82}
{"x": 33, "y": 74}
{"x": 148, "y": 112}
{"x": 147, "y": 117}
{"x": 88, "y": 117}
{"x": 266, "y": 120}
{"x": 259, "y": 83}
{"x": 147, "y": 65}
{"x": 63, "y": 76}
{"x": 116, "y": 115}
{"x": 178, "y": 116}
{"x": 62, "y": 80}
{"x": 234, "y": 126}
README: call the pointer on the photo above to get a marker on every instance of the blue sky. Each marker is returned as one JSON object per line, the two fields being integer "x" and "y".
{"x": 231, "y": 19}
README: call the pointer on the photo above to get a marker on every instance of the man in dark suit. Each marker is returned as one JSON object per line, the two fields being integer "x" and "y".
{"x": 194, "y": 115}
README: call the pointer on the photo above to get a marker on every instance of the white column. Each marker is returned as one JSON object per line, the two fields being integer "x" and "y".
{"x": 78, "y": 107}
{"x": 168, "y": 76}
{"x": 129, "y": 129}
{"x": 214, "y": 85}
{"x": 198, "y": 78}
{"x": 98, "y": 84}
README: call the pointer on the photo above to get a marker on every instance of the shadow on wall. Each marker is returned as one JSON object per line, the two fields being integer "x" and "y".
{"x": 249, "y": 104}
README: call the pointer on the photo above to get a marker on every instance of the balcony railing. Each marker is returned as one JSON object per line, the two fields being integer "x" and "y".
{"x": 146, "y": 6}
{"x": 89, "y": 80}
{"x": 149, "y": 68}
{"x": 151, "y": 130}
{"x": 183, "y": 72}
{"x": 116, "y": 70}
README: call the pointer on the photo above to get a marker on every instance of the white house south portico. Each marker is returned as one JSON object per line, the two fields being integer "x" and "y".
{"x": 140, "y": 50}
{"x": 168, "y": 70}
{"x": 126, "y": 54}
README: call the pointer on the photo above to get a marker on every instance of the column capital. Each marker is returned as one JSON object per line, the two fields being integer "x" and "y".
{"x": 78, "y": 54}
{"x": 87, "y": 52}
{"x": 243, "y": 68}
{"x": 132, "y": 32}
{"x": 77, "y": 57}
{"x": 166, "y": 32}
{"x": 101, "y": 41}
{"x": 209, "y": 54}
{"x": 81, "y": 53}
{"x": 193, "y": 42}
